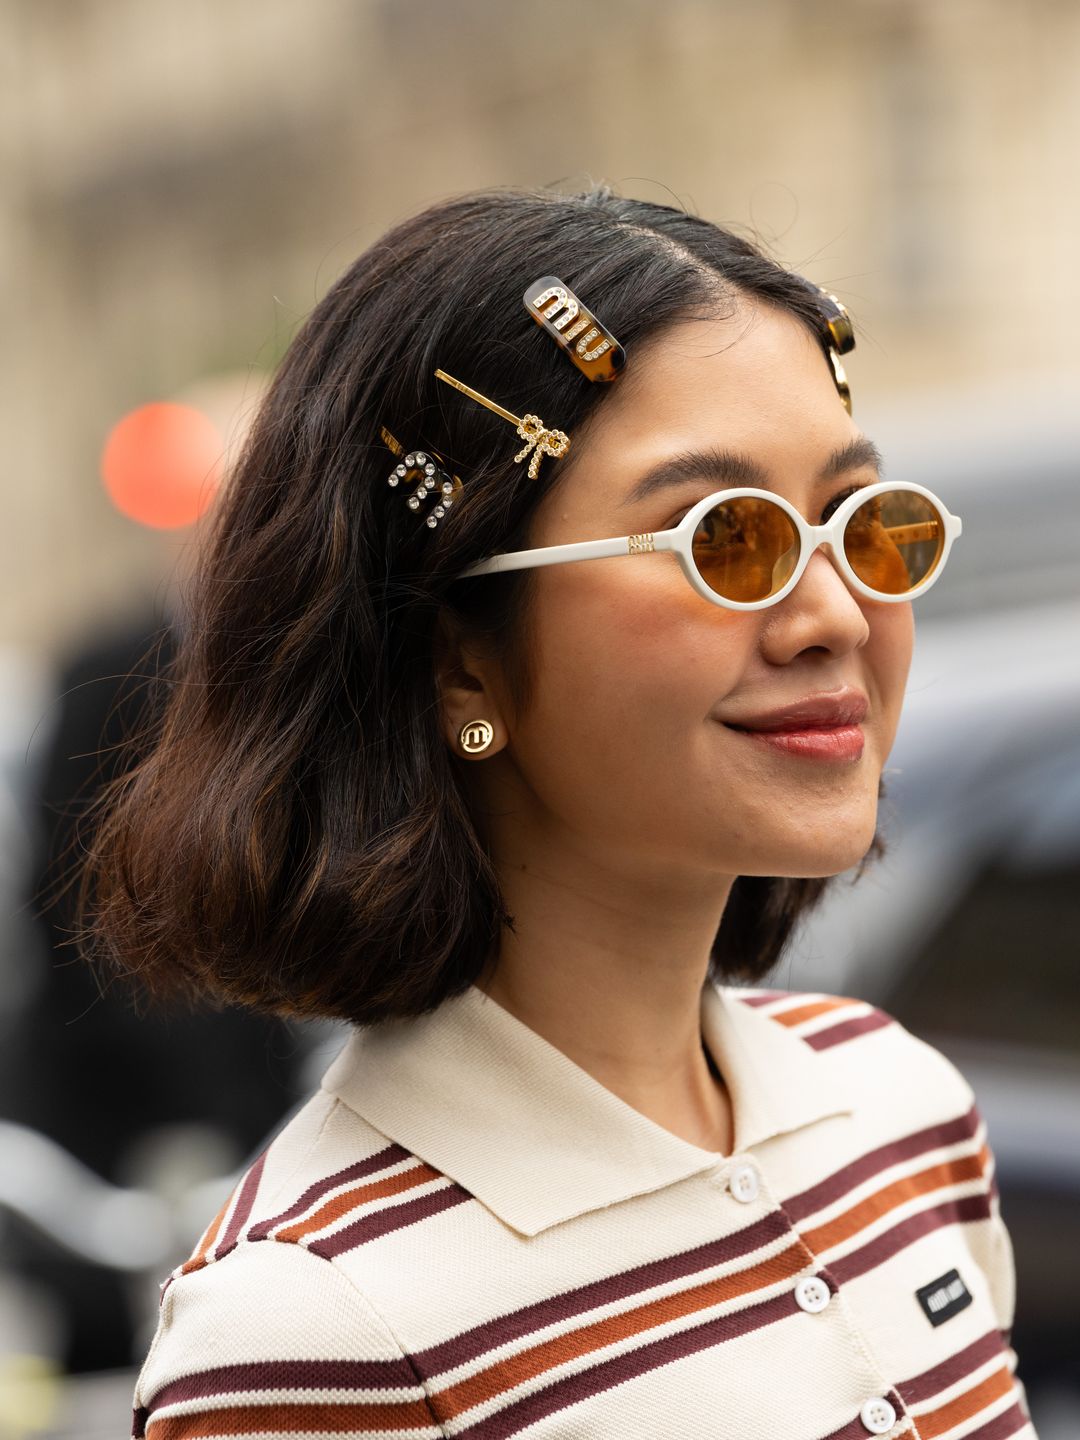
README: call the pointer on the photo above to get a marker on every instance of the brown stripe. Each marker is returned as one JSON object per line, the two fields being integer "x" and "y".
{"x": 288, "y": 1375}
{"x": 1002, "y": 1426}
{"x": 766, "y": 999}
{"x": 348, "y": 1200}
{"x": 940, "y": 1377}
{"x": 841, "y": 1182}
{"x": 209, "y": 1235}
{"x": 848, "y": 1030}
{"x": 909, "y": 1187}
{"x": 243, "y": 1206}
{"x": 951, "y": 1212}
{"x": 617, "y": 1369}
{"x": 526, "y": 1365}
{"x": 335, "y": 1419}
{"x": 813, "y": 1009}
{"x": 979, "y": 1397}
{"x": 384, "y": 1222}
{"x": 390, "y": 1155}
{"x": 608, "y": 1290}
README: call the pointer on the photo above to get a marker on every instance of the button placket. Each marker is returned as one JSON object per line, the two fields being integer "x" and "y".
{"x": 744, "y": 1184}
{"x": 812, "y": 1294}
{"x": 878, "y": 1415}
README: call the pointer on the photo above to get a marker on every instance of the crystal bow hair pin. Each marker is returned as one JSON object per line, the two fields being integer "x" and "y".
{"x": 539, "y": 440}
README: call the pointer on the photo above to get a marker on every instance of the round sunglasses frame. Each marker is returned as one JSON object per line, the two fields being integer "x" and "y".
{"x": 679, "y": 539}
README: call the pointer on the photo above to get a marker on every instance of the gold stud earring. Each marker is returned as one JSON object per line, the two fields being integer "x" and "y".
{"x": 477, "y": 735}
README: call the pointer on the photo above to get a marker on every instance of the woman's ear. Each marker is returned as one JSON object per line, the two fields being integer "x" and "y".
{"x": 468, "y": 683}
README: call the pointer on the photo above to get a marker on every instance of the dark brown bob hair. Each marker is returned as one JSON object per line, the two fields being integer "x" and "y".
{"x": 293, "y": 835}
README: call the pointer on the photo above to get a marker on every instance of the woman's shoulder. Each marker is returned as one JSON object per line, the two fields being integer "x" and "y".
{"x": 853, "y": 1034}
{"x": 258, "y": 1315}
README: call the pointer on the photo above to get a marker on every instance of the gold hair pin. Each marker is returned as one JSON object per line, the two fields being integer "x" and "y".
{"x": 539, "y": 441}
{"x": 555, "y": 307}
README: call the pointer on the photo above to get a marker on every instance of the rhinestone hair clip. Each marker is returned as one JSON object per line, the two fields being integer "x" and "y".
{"x": 539, "y": 440}
{"x": 428, "y": 473}
{"x": 555, "y": 307}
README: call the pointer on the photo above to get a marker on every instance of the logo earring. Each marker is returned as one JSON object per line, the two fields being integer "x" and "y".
{"x": 477, "y": 735}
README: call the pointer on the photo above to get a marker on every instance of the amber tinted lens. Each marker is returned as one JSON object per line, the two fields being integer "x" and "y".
{"x": 745, "y": 548}
{"x": 894, "y": 540}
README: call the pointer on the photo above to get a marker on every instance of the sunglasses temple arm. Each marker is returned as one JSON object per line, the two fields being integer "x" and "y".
{"x": 560, "y": 554}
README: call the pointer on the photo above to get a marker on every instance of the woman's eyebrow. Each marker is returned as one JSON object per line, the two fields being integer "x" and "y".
{"x": 729, "y": 467}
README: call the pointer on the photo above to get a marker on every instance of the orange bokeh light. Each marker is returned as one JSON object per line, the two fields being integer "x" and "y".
{"x": 162, "y": 464}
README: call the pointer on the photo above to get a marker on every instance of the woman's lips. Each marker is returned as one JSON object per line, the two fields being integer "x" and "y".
{"x": 822, "y": 742}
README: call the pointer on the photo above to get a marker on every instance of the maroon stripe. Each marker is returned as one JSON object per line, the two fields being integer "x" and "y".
{"x": 939, "y": 1377}
{"x": 951, "y": 1212}
{"x": 1003, "y": 1425}
{"x": 242, "y": 1208}
{"x": 288, "y": 1375}
{"x": 848, "y": 1030}
{"x": 139, "y": 1417}
{"x": 383, "y": 1222}
{"x": 765, "y": 999}
{"x": 933, "y": 1137}
{"x": 609, "y": 1289}
{"x": 571, "y": 1389}
{"x": 390, "y": 1155}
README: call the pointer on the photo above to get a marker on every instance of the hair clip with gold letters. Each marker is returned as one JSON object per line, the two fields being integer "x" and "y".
{"x": 555, "y": 307}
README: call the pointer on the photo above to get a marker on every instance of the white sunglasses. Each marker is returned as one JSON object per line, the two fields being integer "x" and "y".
{"x": 745, "y": 549}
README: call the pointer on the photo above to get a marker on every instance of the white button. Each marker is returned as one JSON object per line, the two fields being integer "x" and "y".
{"x": 812, "y": 1294}
{"x": 744, "y": 1184}
{"x": 878, "y": 1416}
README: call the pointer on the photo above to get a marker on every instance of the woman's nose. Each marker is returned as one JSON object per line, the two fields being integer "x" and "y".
{"x": 822, "y": 612}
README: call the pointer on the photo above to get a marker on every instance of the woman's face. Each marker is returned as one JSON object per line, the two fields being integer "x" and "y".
{"x": 624, "y": 745}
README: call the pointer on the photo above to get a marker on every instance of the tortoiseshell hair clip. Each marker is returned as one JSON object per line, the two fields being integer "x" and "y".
{"x": 842, "y": 333}
{"x": 555, "y": 307}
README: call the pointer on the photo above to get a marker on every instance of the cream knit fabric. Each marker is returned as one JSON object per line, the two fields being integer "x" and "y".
{"x": 463, "y": 1233}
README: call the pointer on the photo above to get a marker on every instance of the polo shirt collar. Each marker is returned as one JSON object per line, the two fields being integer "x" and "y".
{"x": 491, "y": 1104}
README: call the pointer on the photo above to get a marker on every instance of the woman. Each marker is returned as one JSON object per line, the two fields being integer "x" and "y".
{"x": 523, "y": 828}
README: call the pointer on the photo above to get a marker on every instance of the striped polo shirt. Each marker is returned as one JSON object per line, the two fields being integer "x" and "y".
{"x": 462, "y": 1233}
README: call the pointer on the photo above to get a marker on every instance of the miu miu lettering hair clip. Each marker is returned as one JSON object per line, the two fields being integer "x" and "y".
{"x": 539, "y": 440}
{"x": 577, "y": 332}
{"x": 842, "y": 335}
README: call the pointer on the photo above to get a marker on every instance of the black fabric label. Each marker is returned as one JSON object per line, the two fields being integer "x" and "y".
{"x": 943, "y": 1298}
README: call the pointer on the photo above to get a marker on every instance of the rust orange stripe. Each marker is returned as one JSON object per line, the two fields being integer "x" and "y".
{"x": 294, "y": 1420}
{"x": 206, "y": 1244}
{"x": 348, "y": 1200}
{"x": 936, "y": 1422}
{"x": 528, "y": 1364}
{"x": 909, "y": 1187}
{"x": 815, "y": 1008}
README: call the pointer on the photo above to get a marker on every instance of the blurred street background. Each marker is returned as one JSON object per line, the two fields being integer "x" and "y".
{"x": 181, "y": 184}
